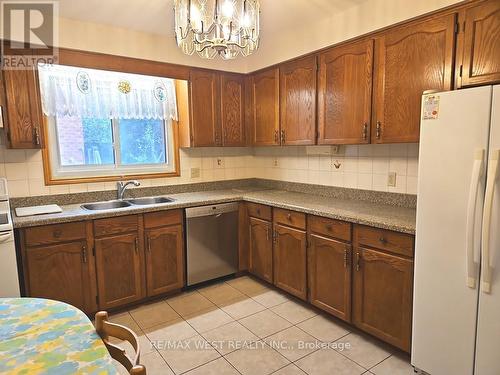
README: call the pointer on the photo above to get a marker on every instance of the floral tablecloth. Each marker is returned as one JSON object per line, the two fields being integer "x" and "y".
{"x": 40, "y": 336}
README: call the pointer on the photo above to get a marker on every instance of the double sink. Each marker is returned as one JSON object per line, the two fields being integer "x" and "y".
{"x": 126, "y": 203}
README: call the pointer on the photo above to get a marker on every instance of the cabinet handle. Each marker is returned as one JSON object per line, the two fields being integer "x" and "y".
{"x": 275, "y": 236}
{"x": 37, "y": 136}
{"x": 267, "y": 234}
{"x": 283, "y": 138}
{"x": 358, "y": 256}
{"x": 382, "y": 240}
{"x": 378, "y": 129}
{"x": 276, "y": 137}
{"x": 84, "y": 254}
{"x": 346, "y": 256}
{"x": 289, "y": 217}
{"x": 137, "y": 245}
{"x": 365, "y": 131}
{"x": 148, "y": 239}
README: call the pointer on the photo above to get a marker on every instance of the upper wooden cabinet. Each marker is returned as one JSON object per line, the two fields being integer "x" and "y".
{"x": 298, "y": 102}
{"x": 480, "y": 40}
{"x": 265, "y": 117}
{"x": 232, "y": 109}
{"x": 23, "y": 113}
{"x": 345, "y": 94}
{"x": 408, "y": 61}
{"x": 204, "y": 104}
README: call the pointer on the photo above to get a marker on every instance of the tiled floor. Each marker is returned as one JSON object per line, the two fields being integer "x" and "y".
{"x": 245, "y": 327}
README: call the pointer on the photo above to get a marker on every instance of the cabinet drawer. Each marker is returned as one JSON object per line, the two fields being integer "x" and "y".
{"x": 259, "y": 211}
{"x": 162, "y": 218}
{"x": 55, "y": 233}
{"x": 330, "y": 227}
{"x": 290, "y": 218}
{"x": 398, "y": 243}
{"x": 115, "y": 225}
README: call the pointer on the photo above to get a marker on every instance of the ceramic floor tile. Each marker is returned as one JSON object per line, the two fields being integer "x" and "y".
{"x": 203, "y": 321}
{"x": 293, "y": 343}
{"x": 257, "y": 359}
{"x": 125, "y": 319}
{"x": 324, "y": 328}
{"x": 229, "y": 337}
{"x": 165, "y": 334}
{"x": 221, "y": 293}
{"x": 155, "y": 364}
{"x": 241, "y": 307}
{"x": 265, "y": 323}
{"x": 189, "y": 354}
{"x": 394, "y": 365}
{"x": 189, "y": 303}
{"x": 364, "y": 350}
{"x": 248, "y": 286}
{"x": 294, "y": 312}
{"x": 327, "y": 362}
{"x": 153, "y": 314}
{"x": 270, "y": 298}
{"x": 290, "y": 370}
{"x": 218, "y": 367}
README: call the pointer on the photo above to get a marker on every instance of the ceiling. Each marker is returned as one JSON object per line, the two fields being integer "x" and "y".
{"x": 156, "y": 16}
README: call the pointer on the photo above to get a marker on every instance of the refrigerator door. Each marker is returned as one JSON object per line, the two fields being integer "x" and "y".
{"x": 453, "y": 140}
{"x": 488, "y": 330}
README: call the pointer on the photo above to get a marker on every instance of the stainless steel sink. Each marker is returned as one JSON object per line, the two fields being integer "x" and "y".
{"x": 149, "y": 200}
{"x": 105, "y": 205}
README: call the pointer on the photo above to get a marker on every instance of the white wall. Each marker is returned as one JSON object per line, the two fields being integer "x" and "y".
{"x": 363, "y": 167}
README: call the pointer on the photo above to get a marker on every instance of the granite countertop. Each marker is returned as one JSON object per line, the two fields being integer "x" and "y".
{"x": 378, "y": 215}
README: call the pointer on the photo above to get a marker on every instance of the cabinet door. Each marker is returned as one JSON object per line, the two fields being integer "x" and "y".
{"x": 382, "y": 298}
{"x": 119, "y": 271}
{"x": 164, "y": 259}
{"x": 232, "y": 109}
{"x": 204, "y": 104}
{"x": 329, "y": 272}
{"x": 481, "y": 58}
{"x": 408, "y": 61}
{"x": 24, "y": 111}
{"x": 60, "y": 272}
{"x": 265, "y": 108}
{"x": 345, "y": 94}
{"x": 290, "y": 260}
{"x": 261, "y": 249}
{"x": 298, "y": 102}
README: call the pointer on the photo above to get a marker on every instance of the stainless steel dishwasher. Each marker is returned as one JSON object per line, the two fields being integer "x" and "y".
{"x": 212, "y": 242}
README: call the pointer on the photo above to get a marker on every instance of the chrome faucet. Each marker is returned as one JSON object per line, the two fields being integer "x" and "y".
{"x": 121, "y": 186}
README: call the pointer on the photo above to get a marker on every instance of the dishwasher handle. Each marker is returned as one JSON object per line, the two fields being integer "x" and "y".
{"x": 212, "y": 210}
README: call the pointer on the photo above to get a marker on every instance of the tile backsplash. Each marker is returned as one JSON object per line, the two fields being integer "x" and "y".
{"x": 363, "y": 167}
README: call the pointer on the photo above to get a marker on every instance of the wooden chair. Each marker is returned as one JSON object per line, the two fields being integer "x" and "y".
{"x": 105, "y": 329}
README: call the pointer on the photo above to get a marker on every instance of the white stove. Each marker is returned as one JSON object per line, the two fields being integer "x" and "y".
{"x": 9, "y": 277}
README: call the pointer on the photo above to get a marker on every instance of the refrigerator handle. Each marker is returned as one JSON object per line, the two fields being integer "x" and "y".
{"x": 470, "y": 243}
{"x": 485, "y": 237}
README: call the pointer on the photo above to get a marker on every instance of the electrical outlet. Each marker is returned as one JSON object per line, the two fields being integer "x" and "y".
{"x": 220, "y": 163}
{"x": 275, "y": 162}
{"x": 391, "y": 179}
{"x": 195, "y": 172}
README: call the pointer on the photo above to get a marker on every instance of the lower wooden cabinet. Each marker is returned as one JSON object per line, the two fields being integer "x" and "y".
{"x": 164, "y": 259}
{"x": 290, "y": 260}
{"x": 382, "y": 295}
{"x": 260, "y": 249}
{"x": 329, "y": 271}
{"x": 119, "y": 271}
{"x": 61, "y": 272}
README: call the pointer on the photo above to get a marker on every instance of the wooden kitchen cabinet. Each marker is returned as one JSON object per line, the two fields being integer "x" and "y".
{"x": 382, "y": 293}
{"x": 265, "y": 108}
{"x": 290, "y": 260}
{"x": 298, "y": 101}
{"x": 345, "y": 94}
{"x": 164, "y": 252}
{"x": 480, "y": 42}
{"x": 260, "y": 249}
{"x": 329, "y": 258}
{"x": 409, "y": 60}
{"x": 204, "y": 106}
{"x": 232, "y": 109}
{"x": 23, "y": 113}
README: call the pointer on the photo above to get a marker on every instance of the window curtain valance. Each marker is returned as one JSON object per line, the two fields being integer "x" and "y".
{"x": 79, "y": 92}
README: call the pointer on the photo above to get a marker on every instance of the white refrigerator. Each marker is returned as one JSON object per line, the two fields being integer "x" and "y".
{"x": 456, "y": 307}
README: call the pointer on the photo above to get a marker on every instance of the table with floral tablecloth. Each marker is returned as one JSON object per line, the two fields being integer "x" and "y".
{"x": 40, "y": 336}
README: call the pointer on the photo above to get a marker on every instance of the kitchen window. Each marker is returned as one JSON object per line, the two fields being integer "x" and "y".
{"x": 108, "y": 125}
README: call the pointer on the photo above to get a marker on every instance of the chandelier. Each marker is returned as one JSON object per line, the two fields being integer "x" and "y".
{"x": 217, "y": 27}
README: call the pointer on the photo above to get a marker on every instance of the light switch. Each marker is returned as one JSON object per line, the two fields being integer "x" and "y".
{"x": 195, "y": 172}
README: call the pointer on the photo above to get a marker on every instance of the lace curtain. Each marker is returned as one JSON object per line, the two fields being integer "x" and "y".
{"x": 79, "y": 92}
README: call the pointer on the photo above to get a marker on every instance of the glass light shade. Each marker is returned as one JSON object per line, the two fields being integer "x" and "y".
{"x": 226, "y": 28}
